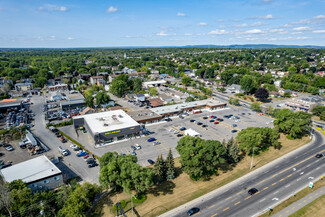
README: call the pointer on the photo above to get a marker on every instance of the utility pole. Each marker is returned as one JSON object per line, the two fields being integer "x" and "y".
{"x": 253, "y": 157}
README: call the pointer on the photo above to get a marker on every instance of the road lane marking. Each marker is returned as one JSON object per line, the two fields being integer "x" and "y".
{"x": 228, "y": 198}
{"x": 211, "y": 206}
{"x": 287, "y": 211}
{"x": 248, "y": 197}
{"x": 237, "y": 203}
{"x": 304, "y": 200}
{"x": 274, "y": 175}
{"x": 265, "y": 188}
{"x": 234, "y": 200}
{"x": 274, "y": 183}
{"x": 281, "y": 180}
{"x": 289, "y": 175}
{"x": 299, "y": 204}
{"x": 226, "y": 209}
{"x": 261, "y": 181}
{"x": 310, "y": 197}
{"x": 196, "y": 214}
{"x": 238, "y": 193}
{"x": 293, "y": 207}
{"x": 214, "y": 215}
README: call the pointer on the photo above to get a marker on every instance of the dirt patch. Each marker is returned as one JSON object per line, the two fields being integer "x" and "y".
{"x": 182, "y": 189}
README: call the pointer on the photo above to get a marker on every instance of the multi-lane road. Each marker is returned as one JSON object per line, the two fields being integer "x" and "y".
{"x": 275, "y": 182}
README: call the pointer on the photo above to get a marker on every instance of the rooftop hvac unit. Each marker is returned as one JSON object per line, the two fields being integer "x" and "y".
{"x": 105, "y": 125}
{"x": 120, "y": 116}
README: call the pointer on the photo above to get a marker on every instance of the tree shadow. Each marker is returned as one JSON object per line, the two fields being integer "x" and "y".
{"x": 162, "y": 189}
{"x": 178, "y": 171}
{"x": 99, "y": 207}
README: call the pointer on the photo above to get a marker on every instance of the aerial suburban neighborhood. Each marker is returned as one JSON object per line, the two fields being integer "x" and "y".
{"x": 164, "y": 130}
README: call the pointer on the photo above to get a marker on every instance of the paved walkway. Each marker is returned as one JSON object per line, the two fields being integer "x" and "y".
{"x": 300, "y": 203}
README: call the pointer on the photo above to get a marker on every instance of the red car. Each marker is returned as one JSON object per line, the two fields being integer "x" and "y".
{"x": 216, "y": 122}
{"x": 86, "y": 156}
{"x": 211, "y": 116}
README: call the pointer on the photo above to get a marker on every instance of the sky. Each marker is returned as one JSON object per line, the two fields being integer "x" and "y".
{"x": 119, "y": 23}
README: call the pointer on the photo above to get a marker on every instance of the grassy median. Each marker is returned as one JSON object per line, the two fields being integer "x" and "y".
{"x": 182, "y": 189}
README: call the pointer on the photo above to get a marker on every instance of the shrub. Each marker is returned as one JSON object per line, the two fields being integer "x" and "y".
{"x": 140, "y": 199}
{"x": 123, "y": 204}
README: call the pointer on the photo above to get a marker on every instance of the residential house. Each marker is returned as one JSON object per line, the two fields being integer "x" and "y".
{"x": 320, "y": 73}
{"x": 95, "y": 79}
{"x": 235, "y": 88}
{"x": 24, "y": 87}
{"x": 156, "y": 102}
{"x": 87, "y": 110}
{"x": 277, "y": 83}
{"x": 140, "y": 97}
{"x": 167, "y": 99}
{"x": 282, "y": 92}
{"x": 58, "y": 87}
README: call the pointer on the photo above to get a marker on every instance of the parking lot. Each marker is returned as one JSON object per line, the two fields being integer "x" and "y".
{"x": 168, "y": 139}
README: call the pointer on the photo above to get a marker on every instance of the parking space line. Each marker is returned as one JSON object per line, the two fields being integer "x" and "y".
{"x": 228, "y": 198}
{"x": 265, "y": 188}
{"x": 214, "y": 215}
{"x": 211, "y": 206}
{"x": 237, "y": 203}
{"x": 274, "y": 183}
{"x": 281, "y": 180}
{"x": 248, "y": 197}
{"x": 226, "y": 209}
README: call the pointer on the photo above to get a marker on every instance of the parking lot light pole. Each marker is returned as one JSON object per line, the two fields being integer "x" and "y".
{"x": 253, "y": 157}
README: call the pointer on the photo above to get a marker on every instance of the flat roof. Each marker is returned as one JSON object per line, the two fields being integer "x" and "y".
{"x": 154, "y": 82}
{"x": 74, "y": 102}
{"x": 182, "y": 106}
{"x": 30, "y": 170}
{"x": 108, "y": 121}
{"x": 143, "y": 114}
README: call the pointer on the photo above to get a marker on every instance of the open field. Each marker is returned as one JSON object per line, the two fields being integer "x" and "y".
{"x": 183, "y": 189}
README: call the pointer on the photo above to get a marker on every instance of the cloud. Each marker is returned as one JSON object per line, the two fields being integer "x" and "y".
{"x": 70, "y": 38}
{"x": 202, "y": 24}
{"x": 49, "y": 7}
{"x": 319, "y": 31}
{"x": 276, "y": 30}
{"x": 267, "y": 1}
{"x": 111, "y": 9}
{"x": 218, "y": 32}
{"x": 319, "y": 17}
{"x": 258, "y": 24}
{"x": 267, "y": 17}
{"x": 301, "y": 28}
{"x": 162, "y": 33}
{"x": 188, "y": 34}
{"x": 181, "y": 14}
{"x": 254, "y": 31}
{"x": 52, "y": 38}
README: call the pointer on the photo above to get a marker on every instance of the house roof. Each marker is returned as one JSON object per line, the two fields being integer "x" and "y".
{"x": 155, "y": 102}
{"x": 31, "y": 170}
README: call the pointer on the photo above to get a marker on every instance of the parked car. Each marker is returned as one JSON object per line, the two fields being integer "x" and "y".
{"x": 156, "y": 143}
{"x": 319, "y": 155}
{"x": 220, "y": 119}
{"x": 91, "y": 161}
{"x": 81, "y": 154}
{"x": 234, "y": 131}
{"x": 192, "y": 120}
{"x": 92, "y": 165}
{"x": 199, "y": 123}
{"x": 193, "y": 211}
{"x": 234, "y": 125}
{"x": 204, "y": 125}
{"x": 216, "y": 122}
{"x": 9, "y": 148}
{"x": 212, "y": 120}
{"x": 182, "y": 128}
{"x": 133, "y": 148}
{"x": 138, "y": 147}
{"x": 73, "y": 146}
{"x": 179, "y": 135}
{"x": 151, "y": 162}
{"x": 86, "y": 156}
{"x": 133, "y": 153}
{"x": 151, "y": 139}
{"x": 205, "y": 117}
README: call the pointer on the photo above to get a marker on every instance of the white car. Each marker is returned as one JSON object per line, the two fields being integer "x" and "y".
{"x": 138, "y": 147}
{"x": 73, "y": 146}
{"x": 156, "y": 143}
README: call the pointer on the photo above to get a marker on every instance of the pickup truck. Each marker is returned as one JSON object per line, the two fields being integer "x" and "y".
{"x": 63, "y": 151}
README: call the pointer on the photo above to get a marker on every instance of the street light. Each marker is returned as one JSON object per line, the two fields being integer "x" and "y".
{"x": 253, "y": 157}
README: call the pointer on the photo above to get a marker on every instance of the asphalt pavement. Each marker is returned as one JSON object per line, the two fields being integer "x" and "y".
{"x": 275, "y": 182}
{"x": 71, "y": 164}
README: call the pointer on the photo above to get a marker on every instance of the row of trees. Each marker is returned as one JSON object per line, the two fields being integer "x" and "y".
{"x": 123, "y": 84}
{"x": 319, "y": 111}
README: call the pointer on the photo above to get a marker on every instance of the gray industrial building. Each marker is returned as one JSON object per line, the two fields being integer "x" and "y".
{"x": 107, "y": 127}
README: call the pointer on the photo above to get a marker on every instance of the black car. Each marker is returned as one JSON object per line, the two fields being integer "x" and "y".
{"x": 204, "y": 125}
{"x": 252, "y": 191}
{"x": 179, "y": 135}
{"x": 199, "y": 123}
{"x": 205, "y": 117}
{"x": 193, "y": 211}
{"x": 212, "y": 120}
{"x": 319, "y": 155}
{"x": 92, "y": 165}
{"x": 133, "y": 148}
{"x": 192, "y": 120}
{"x": 151, "y": 162}
{"x": 234, "y": 131}
{"x": 91, "y": 161}
{"x": 183, "y": 128}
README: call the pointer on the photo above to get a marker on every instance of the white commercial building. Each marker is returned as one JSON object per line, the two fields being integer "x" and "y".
{"x": 38, "y": 174}
{"x": 153, "y": 83}
{"x": 106, "y": 127}
{"x": 191, "y": 132}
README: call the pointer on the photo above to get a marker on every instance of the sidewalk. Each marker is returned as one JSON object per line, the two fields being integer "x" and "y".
{"x": 301, "y": 203}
